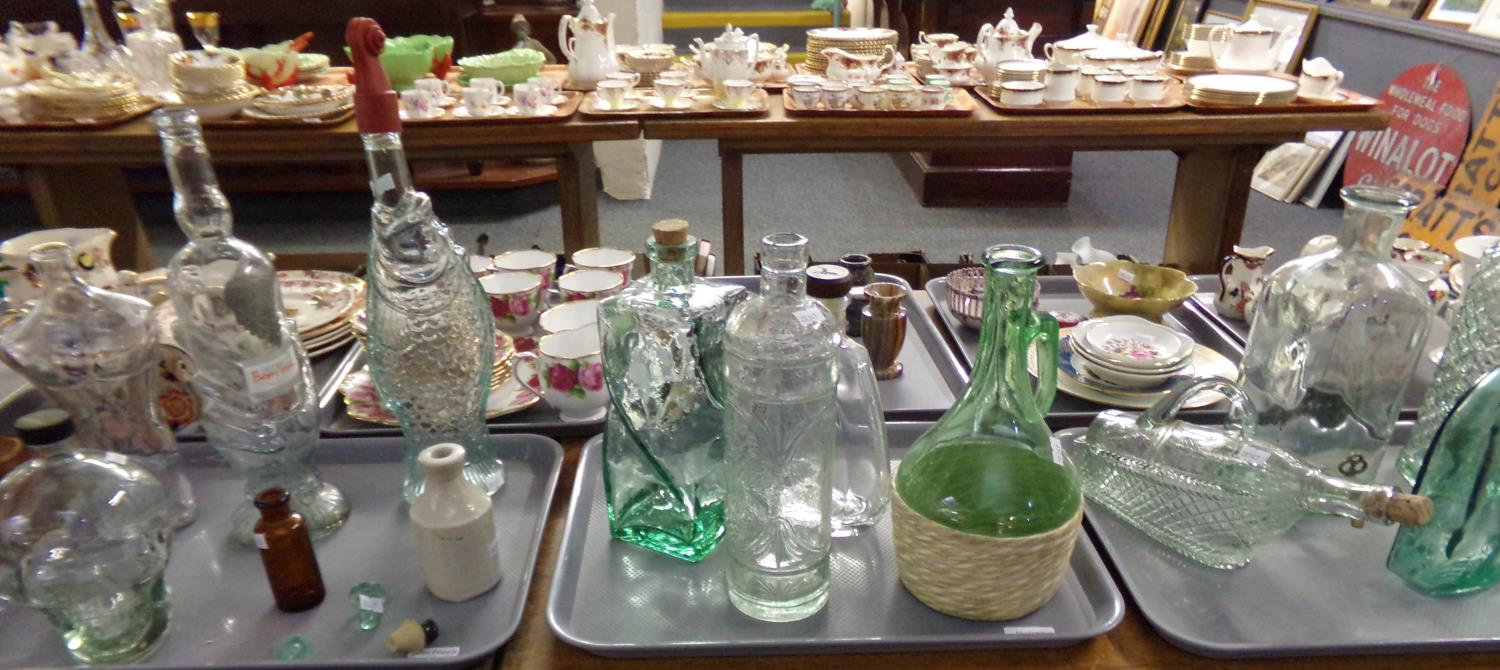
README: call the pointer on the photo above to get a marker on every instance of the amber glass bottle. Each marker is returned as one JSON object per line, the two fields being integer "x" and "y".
{"x": 286, "y": 551}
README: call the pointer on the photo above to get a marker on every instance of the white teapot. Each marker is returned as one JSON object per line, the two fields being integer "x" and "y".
{"x": 859, "y": 68}
{"x": 591, "y": 48}
{"x": 1005, "y": 41}
{"x": 1247, "y": 47}
{"x": 732, "y": 55}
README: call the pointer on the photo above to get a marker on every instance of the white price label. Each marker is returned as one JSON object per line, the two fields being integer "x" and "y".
{"x": 260, "y": 541}
{"x": 116, "y": 457}
{"x": 1057, "y": 452}
{"x": 435, "y": 652}
{"x": 807, "y": 316}
{"x": 382, "y": 184}
{"x": 1255, "y": 456}
{"x": 272, "y": 376}
{"x": 1029, "y": 630}
{"x": 372, "y": 604}
{"x": 1126, "y": 275}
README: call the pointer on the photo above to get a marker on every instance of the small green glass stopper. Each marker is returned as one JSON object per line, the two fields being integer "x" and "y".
{"x": 368, "y": 599}
{"x": 293, "y": 648}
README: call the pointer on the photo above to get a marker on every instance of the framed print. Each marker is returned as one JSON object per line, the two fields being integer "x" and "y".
{"x": 1218, "y": 18}
{"x": 1405, "y": 9}
{"x": 1158, "y": 23}
{"x": 1127, "y": 19}
{"x": 1293, "y": 22}
{"x": 1457, "y": 13}
{"x": 1184, "y": 13}
{"x": 1488, "y": 21}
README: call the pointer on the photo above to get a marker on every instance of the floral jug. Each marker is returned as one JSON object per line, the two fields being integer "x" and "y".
{"x": 591, "y": 48}
{"x": 1240, "y": 280}
{"x": 21, "y": 281}
{"x": 1005, "y": 41}
{"x": 859, "y": 68}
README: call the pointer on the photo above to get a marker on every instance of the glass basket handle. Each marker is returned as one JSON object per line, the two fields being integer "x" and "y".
{"x": 1241, "y": 410}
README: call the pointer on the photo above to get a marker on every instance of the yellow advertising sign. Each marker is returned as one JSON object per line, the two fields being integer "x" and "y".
{"x": 1478, "y": 174}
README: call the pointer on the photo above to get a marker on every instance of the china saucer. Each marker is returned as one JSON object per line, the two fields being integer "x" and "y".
{"x": 624, "y": 106}
{"x": 406, "y": 116}
{"x": 1205, "y": 363}
{"x": 546, "y": 110}
{"x": 463, "y": 112}
{"x": 681, "y": 103}
{"x": 559, "y": 99}
{"x": 758, "y": 105}
{"x": 1335, "y": 98}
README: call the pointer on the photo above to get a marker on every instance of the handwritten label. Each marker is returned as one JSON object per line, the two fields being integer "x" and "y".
{"x": 382, "y": 184}
{"x": 372, "y": 604}
{"x": 260, "y": 541}
{"x": 272, "y": 376}
{"x": 1029, "y": 630}
{"x": 435, "y": 652}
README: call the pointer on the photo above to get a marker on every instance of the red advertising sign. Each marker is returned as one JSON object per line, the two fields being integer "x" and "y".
{"x": 1429, "y": 109}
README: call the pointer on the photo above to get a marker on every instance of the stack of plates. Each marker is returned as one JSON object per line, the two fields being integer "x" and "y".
{"x": 362, "y": 401}
{"x": 221, "y": 104}
{"x": 323, "y": 305}
{"x": 1129, "y": 352}
{"x": 1240, "y": 90}
{"x": 303, "y": 101}
{"x": 67, "y": 97}
{"x": 867, "y": 41}
{"x": 1183, "y": 62}
{"x": 310, "y": 66}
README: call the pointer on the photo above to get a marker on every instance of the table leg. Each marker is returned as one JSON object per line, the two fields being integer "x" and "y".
{"x": 577, "y": 193}
{"x": 91, "y": 196}
{"x": 732, "y": 183}
{"x": 1208, "y": 206}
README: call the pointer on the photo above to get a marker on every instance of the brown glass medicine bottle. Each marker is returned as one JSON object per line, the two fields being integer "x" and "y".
{"x": 287, "y": 553}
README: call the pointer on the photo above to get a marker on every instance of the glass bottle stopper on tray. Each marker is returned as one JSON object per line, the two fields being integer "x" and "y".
{"x": 286, "y": 552}
{"x": 368, "y": 599}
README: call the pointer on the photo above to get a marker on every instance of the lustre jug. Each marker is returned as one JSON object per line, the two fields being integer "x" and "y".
{"x": 1240, "y": 280}
{"x": 859, "y": 68}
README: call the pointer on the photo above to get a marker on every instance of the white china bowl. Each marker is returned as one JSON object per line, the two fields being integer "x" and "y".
{"x": 1114, "y": 377}
{"x": 1130, "y": 343}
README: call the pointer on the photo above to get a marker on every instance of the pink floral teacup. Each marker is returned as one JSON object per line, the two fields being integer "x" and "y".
{"x": 618, "y": 261}
{"x": 567, "y": 371}
{"x": 570, "y": 316}
{"x": 537, "y": 262}
{"x": 515, "y": 300}
{"x": 589, "y": 285}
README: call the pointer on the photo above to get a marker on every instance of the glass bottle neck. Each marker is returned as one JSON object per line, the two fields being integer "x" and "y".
{"x": 1373, "y": 218}
{"x": 390, "y": 178}
{"x": 1007, "y": 302}
{"x": 54, "y": 266}
{"x": 672, "y": 264}
{"x": 201, "y": 209}
{"x": 1341, "y": 497}
{"x": 95, "y": 35}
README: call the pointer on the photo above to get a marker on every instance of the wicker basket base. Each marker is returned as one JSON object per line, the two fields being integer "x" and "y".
{"x": 977, "y": 577}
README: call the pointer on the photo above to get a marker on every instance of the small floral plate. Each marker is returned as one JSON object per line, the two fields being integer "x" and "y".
{"x": 1133, "y": 343}
{"x": 364, "y": 404}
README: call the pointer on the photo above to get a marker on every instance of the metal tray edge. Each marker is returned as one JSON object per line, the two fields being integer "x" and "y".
{"x": 535, "y": 541}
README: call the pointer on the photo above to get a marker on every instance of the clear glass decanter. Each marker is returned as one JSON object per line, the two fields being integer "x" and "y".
{"x": 1473, "y": 350}
{"x": 93, "y": 353}
{"x": 431, "y": 334}
{"x": 151, "y": 49}
{"x": 84, "y": 539}
{"x": 259, "y": 408}
{"x": 1215, "y": 493}
{"x": 779, "y": 431}
{"x": 862, "y": 470}
{"x": 1459, "y": 552}
{"x": 1335, "y": 339}
{"x": 98, "y": 52}
{"x": 663, "y": 339}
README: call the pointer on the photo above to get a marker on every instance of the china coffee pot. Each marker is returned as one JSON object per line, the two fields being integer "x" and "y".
{"x": 591, "y": 48}
{"x": 1005, "y": 41}
{"x": 859, "y": 68}
{"x": 1247, "y": 47}
{"x": 732, "y": 55}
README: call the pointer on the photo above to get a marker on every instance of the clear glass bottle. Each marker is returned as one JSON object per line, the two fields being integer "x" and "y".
{"x": 151, "y": 49}
{"x": 93, "y": 353}
{"x": 454, "y": 524}
{"x": 1473, "y": 350}
{"x": 862, "y": 470}
{"x": 1215, "y": 493}
{"x": 1335, "y": 339}
{"x": 84, "y": 538}
{"x": 431, "y": 334}
{"x": 286, "y": 552}
{"x": 98, "y": 52}
{"x": 1459, "y": 552}
{"x": 663, "y": 339}
{"x": 259, "y": 407}
{"x": 779, "y": 430}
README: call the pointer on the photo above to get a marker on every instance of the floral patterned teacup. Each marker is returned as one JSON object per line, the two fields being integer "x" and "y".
{"x": 515, "y": 300}
{"x": 570, "y": 316}
{"x": 537, "y": 262}
{"x": 618, "y": 261}
{"x": 589, "y": 285}
{"x": 567, "y": 371}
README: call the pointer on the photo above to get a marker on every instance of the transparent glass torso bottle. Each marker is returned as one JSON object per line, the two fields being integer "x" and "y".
{"x": 664, "y": 435}
{"x": 259, "y": 408}
{"x": 779, "y": 432}
{"x": 1473, "y": 350}
{"x": 1335, "y": 339}
{"x": 431, "y": 335}
{"x": 862, "y": 468}
{"x": 1459, "y": 551}
{"x": 93, "y": 353}
{"x": 151, "y": 49}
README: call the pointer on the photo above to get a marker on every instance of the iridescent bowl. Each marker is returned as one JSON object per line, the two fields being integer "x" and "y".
{"x": 1123, "y": 287}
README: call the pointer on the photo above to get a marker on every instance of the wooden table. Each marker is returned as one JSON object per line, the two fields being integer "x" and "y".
{"x": 1216, "y": 154}
{"x": 76, "y": 178}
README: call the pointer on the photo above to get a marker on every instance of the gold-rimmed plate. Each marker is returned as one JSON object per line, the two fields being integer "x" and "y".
{"x": 1206, "y": 363}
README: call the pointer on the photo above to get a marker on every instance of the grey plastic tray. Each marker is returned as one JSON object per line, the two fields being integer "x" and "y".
{"x": 1203, "y": 303}
{"x": 222, "y": 614}
{"x": 932, "y": 377}
{"x": 1061, "y": 294}
{"x": 615, "y": 599}
{"x": 1322, "y": 589}
{"x": 539, "y": 418}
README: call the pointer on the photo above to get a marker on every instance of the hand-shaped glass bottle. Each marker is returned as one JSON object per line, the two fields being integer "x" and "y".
{"x": 431, "y": 334}
{"x": 779, "y": 430}
{"x": 664, "y": 435}
{"x": 1334, "y": 342}
{"x": 93, "y": 353}
{"x": 259, "y": 408}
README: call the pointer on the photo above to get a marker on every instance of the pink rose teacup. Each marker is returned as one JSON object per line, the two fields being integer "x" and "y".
{"x": 567, "y": 371}
{"x": 589, "y": 285}
{"x": 515, "y": 300}
{"x": 569, "y": 316}
{"x": 618, "y": 261}
{"x": 537, "y": 262}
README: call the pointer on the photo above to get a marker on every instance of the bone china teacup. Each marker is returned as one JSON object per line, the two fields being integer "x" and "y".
{"x": 515, "y": 300}
{"x": 589, "y": 284}
{"x": 567, "y": 371}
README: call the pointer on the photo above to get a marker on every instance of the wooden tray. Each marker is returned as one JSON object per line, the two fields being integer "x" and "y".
{"x": 1171, "y": 101}
{"x": 241, "y": 121}
{"x": 564, "y": 111}
{"x": 702, "y": 107}
{"x": 1350, "y": 101}
{"x": 963, "y": 105}
{"x": 96, "y": 123}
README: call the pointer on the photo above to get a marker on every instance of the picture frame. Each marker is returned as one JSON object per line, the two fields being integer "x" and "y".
{"x": 1293, "y": 22}
{"x": 1158, "y": 24}
{"x": 1487, "y": 23}
{"x": 1455, "y": 13}
{"x": 1184, "y": 14}
{"x": 1404, "y": 9}
{"x": 1219, "y": 18}
{"x": 1128, "y": 19}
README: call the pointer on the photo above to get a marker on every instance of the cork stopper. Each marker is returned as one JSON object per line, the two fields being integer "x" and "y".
{"x": 1409, "y": 510}
{"x": 670, "y": 232}
{"x": 828, "y": 282}
{"x": 408, "y": 638}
